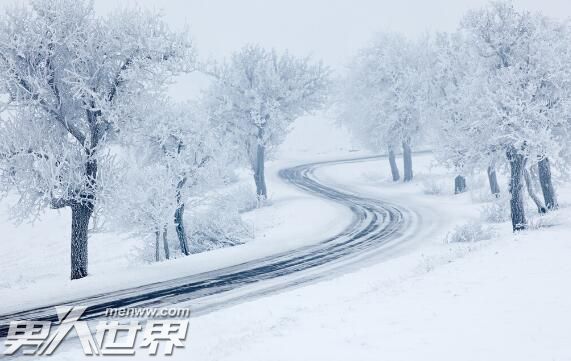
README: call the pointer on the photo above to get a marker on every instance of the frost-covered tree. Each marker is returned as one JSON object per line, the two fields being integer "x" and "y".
{"x": 384, "y": 96}
{"x": 452, "y": 110}
{"x": 172, "y": 153}
{"x": 257, "y": 94}
{"x": 517, "y": 88}
{"x": 65, "y": 71}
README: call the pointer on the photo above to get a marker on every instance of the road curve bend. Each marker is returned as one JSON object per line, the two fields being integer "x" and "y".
{"x": 377, "y": 228}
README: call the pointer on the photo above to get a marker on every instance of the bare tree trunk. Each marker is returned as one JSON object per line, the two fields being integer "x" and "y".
{"x": 166, "y": 243}
{"x": 179, "y": 220}
{"x": 80, "y": 215}
{"x": 407, "y": 160}
{"x": 180, "y": 230}
{"x": 259, "y": 171}
{"x": 493, "y": 180}
{"x": 81, "y": 211}
{"x": 459, "y": 184}
{"x": 549, "y": 196}
{"x": 157, "y": 247}
{"x": 393, "y": 164}
{"x": 540, "y": 207}
{"x": 517, "y": 166}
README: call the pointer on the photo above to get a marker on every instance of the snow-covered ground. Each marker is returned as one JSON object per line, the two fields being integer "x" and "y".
{"x": 506, "y": 301}
{"x": 37, "y": 260}
{"x": 499, "y": 299}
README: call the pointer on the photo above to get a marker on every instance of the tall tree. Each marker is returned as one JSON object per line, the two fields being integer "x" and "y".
{"x": 257, "y": 94}
{"x": 458, "y": 144}
{"x": 66, "y": 70}
{"x": 518, "y": 86}
{"x": 176, "y": 153}
{"x": 384, "y": 95}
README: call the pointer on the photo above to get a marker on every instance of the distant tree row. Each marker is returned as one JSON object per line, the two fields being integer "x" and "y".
{"x": 495, "y": 92}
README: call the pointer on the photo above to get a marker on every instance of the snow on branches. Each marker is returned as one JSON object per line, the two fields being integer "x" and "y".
{"x": 497, "y": 91}
{"x": 508, "y": 94}
{"x": 385, "y": 94}
{"x": 257, "y": 94}
{"x": 65, "y": 71}
{"x": 172, "y": 154}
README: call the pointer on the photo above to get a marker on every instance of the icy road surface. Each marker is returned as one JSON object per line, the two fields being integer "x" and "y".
{"x": 379, "y": 229}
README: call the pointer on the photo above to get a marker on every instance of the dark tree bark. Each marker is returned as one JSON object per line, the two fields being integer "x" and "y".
{"x": 82, "y": 209}
{"x": 157, "y": 246}
{"x": 493, "y": 180}
{"x": 459, "y": 184}
{"x": 393, "y": 164}
{"x": 547, "y": 189}
{"x": 82, "y": 202}
{"x": 517, "y": 166}
{"x": 179, "y": 220}
{"x": 180, "y": 230}
{"x": 259, "y": 171}
{"x": 407, "y": 160}
{"x": 80, "y": 215}
{"x": 166, "y": 244}
{"x": 529, "y": 183}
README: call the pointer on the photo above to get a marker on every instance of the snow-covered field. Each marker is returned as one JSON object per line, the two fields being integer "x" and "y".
{"x": 506, "y": 301}
{"x": 497, "y": 299}
{"x": 223, "y": 158}
{"x": 500, "y": 299}
{"x": 39, "y": 253}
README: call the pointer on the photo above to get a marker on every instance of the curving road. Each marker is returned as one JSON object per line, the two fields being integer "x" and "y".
{"x": 378, "y": 229}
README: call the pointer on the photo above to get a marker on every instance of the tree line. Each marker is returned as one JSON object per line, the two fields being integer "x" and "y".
{"x": 87, "y": 124}
{"x": 492, "y": 95}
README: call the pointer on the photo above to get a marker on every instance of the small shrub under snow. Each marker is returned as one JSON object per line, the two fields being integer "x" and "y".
{"x": 497, "y": 211}
{"x": 375, "y": 176}
{"x": 545, "y": 220}
{"x": 469, "y": 232}
{"x": 218, "y": 225}
{"x": 436, "y": 185}
{"x": 243, "y": 198}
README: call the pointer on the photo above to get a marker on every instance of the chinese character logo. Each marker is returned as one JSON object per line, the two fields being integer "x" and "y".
{"x": 111, "y": 337}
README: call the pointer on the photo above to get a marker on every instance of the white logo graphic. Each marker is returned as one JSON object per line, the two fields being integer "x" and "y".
{"x": 111, "y": 337}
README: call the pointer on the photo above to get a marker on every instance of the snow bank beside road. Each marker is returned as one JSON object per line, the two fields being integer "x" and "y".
{"x": 36, "y": 257}
{"x": 507, "y": 301}
{"x": 293, "y": 219}
{"x": 504, "y": 299}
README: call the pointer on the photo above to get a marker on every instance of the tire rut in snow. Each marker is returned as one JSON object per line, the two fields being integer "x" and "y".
{"x": 376, "y": 226}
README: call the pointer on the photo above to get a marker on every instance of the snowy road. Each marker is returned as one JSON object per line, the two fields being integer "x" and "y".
{"x": 378, "y": 229}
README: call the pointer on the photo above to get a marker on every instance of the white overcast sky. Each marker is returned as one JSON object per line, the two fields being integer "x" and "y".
{"x": 331, "y": 30}
{"x": 327, "y": 29}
